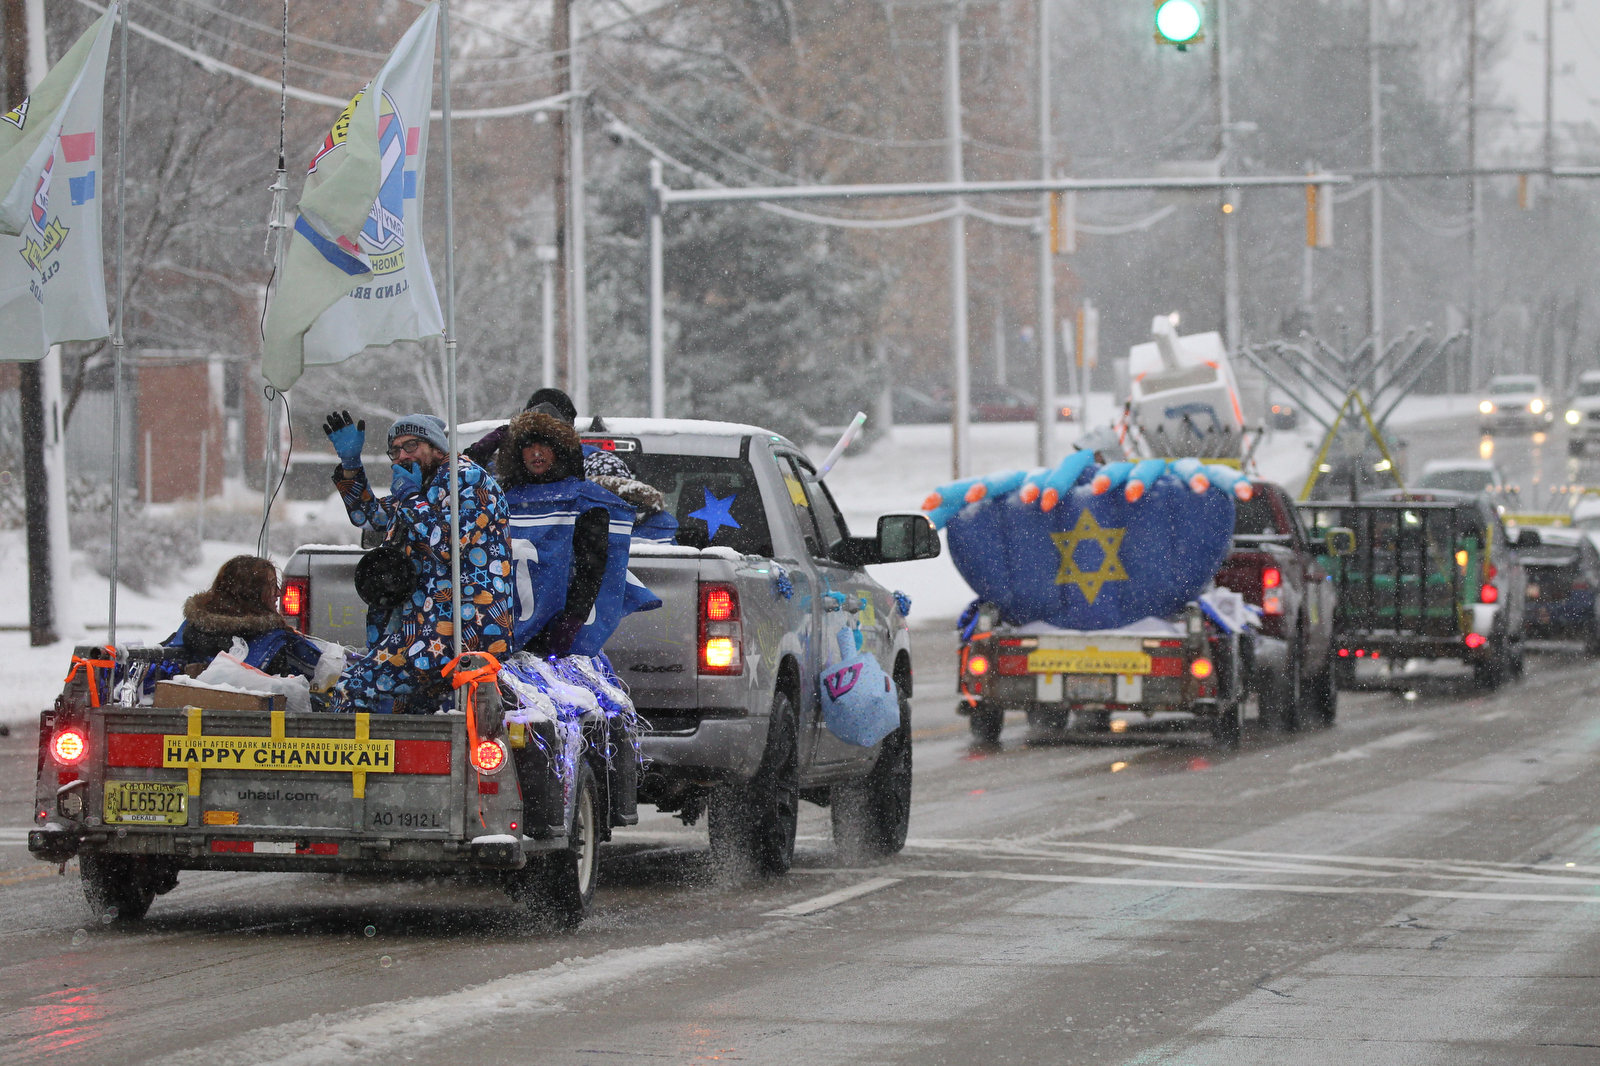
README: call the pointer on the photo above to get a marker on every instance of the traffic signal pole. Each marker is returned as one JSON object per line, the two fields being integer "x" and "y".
{"x": 1046, "y": 328}
{"x": 1375, "y": 236}
{"x": 961, "y": 369}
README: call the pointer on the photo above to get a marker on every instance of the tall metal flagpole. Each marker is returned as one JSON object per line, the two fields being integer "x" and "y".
{"x": 450, "y": 324}
{"x": 1047, "y": 278}
{"x": 276, "y": 225}
{"x": 117, "y": 341}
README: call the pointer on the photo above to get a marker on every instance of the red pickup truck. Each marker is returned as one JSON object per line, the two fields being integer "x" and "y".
{"x": 1274, "y": 566}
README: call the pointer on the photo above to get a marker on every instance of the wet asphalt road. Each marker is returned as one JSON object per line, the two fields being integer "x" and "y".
{"x": 1419, "y": 884}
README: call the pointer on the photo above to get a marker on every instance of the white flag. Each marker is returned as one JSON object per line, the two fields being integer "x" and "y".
{"x": 52, "y": 276}
{"x": 355, "y": 273}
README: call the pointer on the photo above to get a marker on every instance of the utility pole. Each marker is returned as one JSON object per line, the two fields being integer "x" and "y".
{"x": 1375, "y": 237}
{"x": 1230, "y": 197}
{"x": 547, "y": 315}
{"x": 1549, "y": 84}
{"x": 577, "y": 275}
{"x": 561, "y": 49}
{"x": 1045, "y": 331}
{"x": 44, "y": 460}
{"x": 961, "y": 371}
{"x": 1476, "y": 209}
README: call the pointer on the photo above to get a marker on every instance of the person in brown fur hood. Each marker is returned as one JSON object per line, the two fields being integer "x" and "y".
{"x": 242, "y": 603}
{"x": 540, "y": 449}
{"x": 557, "y": 451}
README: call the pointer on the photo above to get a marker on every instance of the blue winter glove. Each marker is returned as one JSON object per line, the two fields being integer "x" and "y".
{"x": 407, "y": 480}
{"x": 347, "y": 438}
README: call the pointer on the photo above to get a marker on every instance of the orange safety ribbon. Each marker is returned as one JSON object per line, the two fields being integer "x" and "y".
{"x": 487, "y": 672}
{"x": 90, "y": 666}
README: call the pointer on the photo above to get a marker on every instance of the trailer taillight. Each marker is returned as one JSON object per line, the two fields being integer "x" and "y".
{"x": 1488, "y": 594}
{"x": 295, "y": 603}
{"x": 978, "y": 665}
{"x": 721, "y": 632}
{"x": 488, "y": 756}
{"x": 69, "y": 746}
{"x": 1475, "y": 640}
{"x": 1201, "y": 668}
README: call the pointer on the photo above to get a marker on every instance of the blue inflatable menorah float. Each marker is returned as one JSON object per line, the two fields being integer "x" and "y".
{"x": 1082, "y": 546}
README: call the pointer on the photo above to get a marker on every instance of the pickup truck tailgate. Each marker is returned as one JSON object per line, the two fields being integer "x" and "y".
{"x": 654, "y": 651}
{"x": 333, "y": 775}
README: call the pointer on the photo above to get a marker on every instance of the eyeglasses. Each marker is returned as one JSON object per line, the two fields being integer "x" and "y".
{"x": 405, "y": 447}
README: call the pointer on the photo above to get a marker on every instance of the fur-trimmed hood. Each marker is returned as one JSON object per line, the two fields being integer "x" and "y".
{"x": 198, "y": 612}
{"x": 535, "y": 427}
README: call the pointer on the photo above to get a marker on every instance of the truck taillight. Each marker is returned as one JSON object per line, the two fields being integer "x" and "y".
{"x": 1271, "y": 577}
{"x": 295, "y": 603}
{"x": 69, "y": 746}
{"x": 721, "y": 632}
{"x": 1488, "y": 594}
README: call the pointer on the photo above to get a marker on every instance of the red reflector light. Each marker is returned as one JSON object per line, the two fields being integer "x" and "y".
{"x": 488, "y": 788}
{"x": 719, "y": 605}
{"x": 1344, "y": 653}
{"x": 1475, "y": 640}
{"x": 1488, "y": 594}
{"x": 1012, "y": 665}
{"x": 1201, "y": 668}
{"x": 1375, "y": 654}
{"x": 1271, "y": 577}
{"x": 978, "y": 665}
{"x": 1361, "y": 653}
{"x": 1165, "y": 666}
{"x": 1490, "y": 572}
{"x": 69, "y": 746}
{"x": 488, "y": 756}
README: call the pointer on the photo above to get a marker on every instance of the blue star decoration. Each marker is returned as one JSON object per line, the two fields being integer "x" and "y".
{"x": 716, "y": 514}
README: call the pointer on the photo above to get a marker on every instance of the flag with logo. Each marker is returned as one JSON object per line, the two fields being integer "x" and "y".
{"x": 355, "y": 274}
{"x": 52, "y": 275}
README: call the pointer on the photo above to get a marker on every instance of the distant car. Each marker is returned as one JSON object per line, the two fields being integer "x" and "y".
{"x": 1583, "y": 413}
{"x": 1463, "y": 475}
{"x": 1515, "y": 401}
{"x": 1563, "y": 571}
{"x": 1283, "y": 415}
{"x": 914, "y": 407}
{"x": 1003, "y": 404}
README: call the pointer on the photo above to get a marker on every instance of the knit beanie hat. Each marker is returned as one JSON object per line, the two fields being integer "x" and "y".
{"x": 429, "y": 427}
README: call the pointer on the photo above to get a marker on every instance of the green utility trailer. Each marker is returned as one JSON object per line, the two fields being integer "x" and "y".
{"x": 1422, "y": 575}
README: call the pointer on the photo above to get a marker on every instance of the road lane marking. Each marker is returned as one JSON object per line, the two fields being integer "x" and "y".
{"x": 1272, "y": 862}
{"x": 1250, "y": 886}
{"x": 1403, "y": 739}
{"x": 832, "y": 899}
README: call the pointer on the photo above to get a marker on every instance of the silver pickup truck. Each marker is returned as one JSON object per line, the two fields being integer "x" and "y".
{"x": 764, "y": 576}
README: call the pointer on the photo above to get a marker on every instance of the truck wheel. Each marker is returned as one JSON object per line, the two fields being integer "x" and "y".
{"x": 1227, "y": 729}
{"x": 752, "y": 825}
{"x": 1324, "y": 704}
{"x": 115, "y": 887}
{"x": 1280, "y": 697}
{"x": 558, "y": 887}
{"x": 986, "y": 722}
{"x": 1489, "y": 674}
{"x": 871, "y": 818}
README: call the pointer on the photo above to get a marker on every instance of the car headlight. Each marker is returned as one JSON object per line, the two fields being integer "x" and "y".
{"x": 1537, "y": 406}
{"x": 1486, "y": 407}
{"x": 1573, "y": 418}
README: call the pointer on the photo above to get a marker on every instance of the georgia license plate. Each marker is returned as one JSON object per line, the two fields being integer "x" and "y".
{"x": 1087, "y": 686}
{"x": 146, "y": 803}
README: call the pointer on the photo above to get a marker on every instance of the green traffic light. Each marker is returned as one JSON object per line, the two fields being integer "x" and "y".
{"x": 1178, "y": 21}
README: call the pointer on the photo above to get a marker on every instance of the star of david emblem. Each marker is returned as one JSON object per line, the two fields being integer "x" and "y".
{"x": 1110, "y": 569}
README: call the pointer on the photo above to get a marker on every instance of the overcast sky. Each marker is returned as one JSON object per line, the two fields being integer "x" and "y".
{"x": 1577, "y": 71}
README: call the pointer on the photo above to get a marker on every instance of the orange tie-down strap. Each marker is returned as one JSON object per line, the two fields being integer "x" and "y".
{"x": 89, "y": 666}
{"x": 465, "y": 674}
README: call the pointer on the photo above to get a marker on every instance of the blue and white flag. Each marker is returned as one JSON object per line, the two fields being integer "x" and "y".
{"x": 355, "y": 273}
{"x": 52, "y": 275}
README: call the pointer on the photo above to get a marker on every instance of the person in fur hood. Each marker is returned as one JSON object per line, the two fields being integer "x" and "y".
{"x": 541, "y": 449}
{"x": 242, "y": 604}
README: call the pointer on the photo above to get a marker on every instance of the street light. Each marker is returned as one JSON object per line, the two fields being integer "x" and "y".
{"x": 1178, "y": 23}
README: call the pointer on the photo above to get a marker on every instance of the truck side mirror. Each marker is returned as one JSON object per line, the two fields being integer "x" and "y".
{"x": 904, "y": 537}
{"x": 1341, "y": 541}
